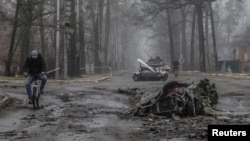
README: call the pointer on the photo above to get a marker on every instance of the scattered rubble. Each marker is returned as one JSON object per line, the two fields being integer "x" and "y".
{"x": 177, "y": 99}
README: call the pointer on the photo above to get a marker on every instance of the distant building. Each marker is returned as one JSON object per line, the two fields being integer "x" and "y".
{"x": 239, "y": 63}
{"x": 242, "y": 53}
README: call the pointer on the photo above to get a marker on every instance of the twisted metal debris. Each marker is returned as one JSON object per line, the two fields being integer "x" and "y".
{"x": 181, "y": 99}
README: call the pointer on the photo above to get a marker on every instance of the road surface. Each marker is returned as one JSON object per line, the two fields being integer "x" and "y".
{"x": 76, "y": 110}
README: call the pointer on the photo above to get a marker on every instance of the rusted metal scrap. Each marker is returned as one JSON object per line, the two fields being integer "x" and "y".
{"x": 180, "y": 99}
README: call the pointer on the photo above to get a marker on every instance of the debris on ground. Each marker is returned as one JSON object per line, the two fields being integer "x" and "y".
{"x": 177, "y": 99}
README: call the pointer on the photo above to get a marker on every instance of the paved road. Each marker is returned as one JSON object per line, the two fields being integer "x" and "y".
{"x": 4, "y": 99}
{"x": 93, "y": 111}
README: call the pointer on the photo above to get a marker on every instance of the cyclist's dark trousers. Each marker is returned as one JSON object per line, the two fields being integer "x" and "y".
{"x": 30, "y": 79}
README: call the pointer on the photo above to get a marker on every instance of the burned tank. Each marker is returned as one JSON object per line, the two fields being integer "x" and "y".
{"x": 148, "y": 73}
{"x": 155, "y": 62}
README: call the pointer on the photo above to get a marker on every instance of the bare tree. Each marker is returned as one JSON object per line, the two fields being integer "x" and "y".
{"x": 201, "y": 37}
{"x": 73, "y": 54}
{"x": 12, "y": 43}
{"x": 95, "y": 25}
{"x": 107, "y": 31}
{"x": 183, "y": 55}
{"x": 25, "y": 14}
{"x": 214, "y": 38}
{"x": 192, "y": 50}
{"x": 171, "y": 40}
{"x": 82, "y": 37}
{"x": 41, "y": 27}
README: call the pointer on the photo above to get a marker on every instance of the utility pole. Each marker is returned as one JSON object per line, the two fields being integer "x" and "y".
{"x": 57, "y": 37}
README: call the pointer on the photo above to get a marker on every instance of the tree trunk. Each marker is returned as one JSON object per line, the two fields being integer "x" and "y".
{"x": 82, "y": 38}
{"x": 113, "y": 61}
{"x": 213, "y": 37}
{"x": 100, "y": 11}
{"x": 171, "y": 40}
{"x": 96, "y": 44}
{"x": 41, "y": 28}
{"x": 207, "y": 60}
{"x": 72, "y": 50}
{"x": 95, "y": 22}
{"x": 107, "y": 31}
{"x": 77, "y": 41}
{"x": 7, "y": 71}
{"x": 100, "y": 24}
{"x": 201, "y": 37}
{"x": 183, "y": 55}
{"x": 192, "y": 41}
{"x": 25, "y": 45}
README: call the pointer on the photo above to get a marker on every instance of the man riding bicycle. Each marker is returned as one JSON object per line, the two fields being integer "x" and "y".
{"x": 34, "y": 66}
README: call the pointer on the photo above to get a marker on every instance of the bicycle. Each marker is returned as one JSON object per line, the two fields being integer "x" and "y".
{"x": 35, "y": 90}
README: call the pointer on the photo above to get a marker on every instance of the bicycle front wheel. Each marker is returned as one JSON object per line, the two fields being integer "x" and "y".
{"x": 35, "y": 98}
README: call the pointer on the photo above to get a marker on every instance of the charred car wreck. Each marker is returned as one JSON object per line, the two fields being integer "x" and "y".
{"x": 149, "y": 73}
{"x": 180, "y": 99}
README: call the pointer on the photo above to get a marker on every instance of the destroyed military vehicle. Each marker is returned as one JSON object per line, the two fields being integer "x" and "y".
{"x": 155, "y": 62}
{"x": 148, "y": 73}
{"x": 180, "y": 99}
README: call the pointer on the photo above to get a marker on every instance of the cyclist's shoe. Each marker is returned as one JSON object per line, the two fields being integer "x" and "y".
{"x": 30, "y": 101}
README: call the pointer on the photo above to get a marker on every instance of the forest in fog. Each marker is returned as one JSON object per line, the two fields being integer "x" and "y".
{"x": 87, "y": 36}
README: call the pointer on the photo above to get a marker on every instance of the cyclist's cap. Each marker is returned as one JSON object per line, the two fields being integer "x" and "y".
{"x": 34, "y": 54}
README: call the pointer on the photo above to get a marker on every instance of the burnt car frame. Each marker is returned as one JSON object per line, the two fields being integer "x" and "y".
{"x": 148, "y": 73}
{"x": 190, "y": 100}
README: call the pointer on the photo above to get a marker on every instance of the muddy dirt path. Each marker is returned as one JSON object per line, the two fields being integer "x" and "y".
{"x": 76, "y": 111}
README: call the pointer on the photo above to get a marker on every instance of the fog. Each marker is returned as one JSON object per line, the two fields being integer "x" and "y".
{"x": 151, "y": 43}
{"x": 130, "y": 30}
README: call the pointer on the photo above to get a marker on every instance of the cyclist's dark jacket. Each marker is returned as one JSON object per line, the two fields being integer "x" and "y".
{"x": 34, "y": 66}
